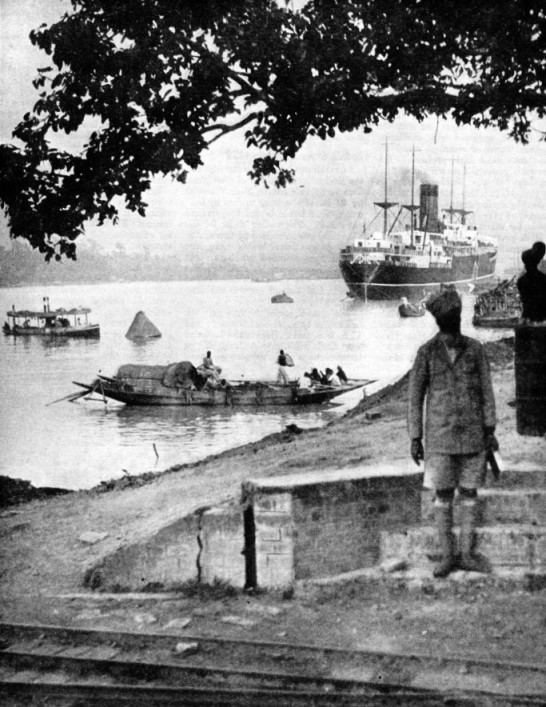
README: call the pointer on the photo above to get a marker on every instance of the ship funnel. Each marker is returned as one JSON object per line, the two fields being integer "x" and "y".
{"x": 428, "y": 208}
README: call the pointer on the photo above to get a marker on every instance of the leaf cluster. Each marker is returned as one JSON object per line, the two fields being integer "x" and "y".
{"x": 161, "y": 80}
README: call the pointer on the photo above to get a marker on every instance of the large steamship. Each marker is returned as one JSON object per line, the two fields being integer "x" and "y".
{"x": 416, "y": 257}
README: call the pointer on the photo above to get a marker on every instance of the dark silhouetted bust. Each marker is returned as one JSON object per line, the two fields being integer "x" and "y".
{"x": 532, "y": 284}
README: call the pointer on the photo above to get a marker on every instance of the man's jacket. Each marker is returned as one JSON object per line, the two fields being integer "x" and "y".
{"x": 459, "y": 397}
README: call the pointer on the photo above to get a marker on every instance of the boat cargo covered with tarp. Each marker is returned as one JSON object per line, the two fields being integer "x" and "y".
{"x": 181, "y": 384}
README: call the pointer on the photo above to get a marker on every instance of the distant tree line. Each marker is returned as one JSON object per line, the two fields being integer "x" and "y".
{"x": 21, "y": 265}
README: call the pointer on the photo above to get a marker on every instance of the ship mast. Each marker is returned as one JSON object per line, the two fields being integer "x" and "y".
{"x": 412, "y": 189}
{"x": 463, "y": 212}
{"x": 411, "y": 207}
{"x": 451, "y": 196}
{"x": 385, "y": 200}
{"x": 386, "y": 205}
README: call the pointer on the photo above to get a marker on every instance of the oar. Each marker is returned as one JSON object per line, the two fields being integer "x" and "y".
{"x": 71, "y": 397}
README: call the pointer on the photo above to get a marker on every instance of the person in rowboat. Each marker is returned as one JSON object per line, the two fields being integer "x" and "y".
{"x": 208, "y": 369}
{"x": 330, "y": 378}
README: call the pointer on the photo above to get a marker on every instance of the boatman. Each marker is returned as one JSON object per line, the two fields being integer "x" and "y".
{"x": 451, "y": 372}
{"x": 282, "y": 375}
{"x": 209, "y": 369}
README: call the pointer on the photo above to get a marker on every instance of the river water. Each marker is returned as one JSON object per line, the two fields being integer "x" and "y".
{"x": 77, "y": 445}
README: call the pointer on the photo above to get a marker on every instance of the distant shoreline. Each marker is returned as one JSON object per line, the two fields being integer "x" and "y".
{"x": 255, "y": 279}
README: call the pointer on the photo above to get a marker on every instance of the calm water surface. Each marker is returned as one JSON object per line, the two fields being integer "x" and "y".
{"x": 80, "y": 444}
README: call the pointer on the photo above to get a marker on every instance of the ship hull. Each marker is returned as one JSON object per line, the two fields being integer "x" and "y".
{"x": 390, "y": 281}
{"x": 92, "y": 331}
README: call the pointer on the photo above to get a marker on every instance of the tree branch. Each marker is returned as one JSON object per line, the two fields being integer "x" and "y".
{"x": 224, "y": 128}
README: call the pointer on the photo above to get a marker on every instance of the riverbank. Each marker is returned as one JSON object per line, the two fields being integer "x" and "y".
{"x": 48, "y": 545}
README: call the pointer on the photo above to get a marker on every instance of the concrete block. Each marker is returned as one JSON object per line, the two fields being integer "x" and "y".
{"x": 168, "y": 558}
{"x": 328, "y": 522}
{"x": 184, "y": 648}
{"x": 395, "y": 565}
{"x": 538, "y": 557}
{"x": 521, "y": 505}
{"x": 521, "y": 546}
{"x": 386, "y": 474}
{"x": 222, "y": 546}
{"x": 274, "y": 550}
{"x": 273, "y": 503}
{"x": 518, "y": 476}
{"x": 275, "y": 571}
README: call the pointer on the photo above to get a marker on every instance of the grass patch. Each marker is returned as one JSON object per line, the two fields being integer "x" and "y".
{"x": 219, "y": 589}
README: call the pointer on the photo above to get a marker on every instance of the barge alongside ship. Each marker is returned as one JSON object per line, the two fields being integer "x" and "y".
{"x": 421, "y": 255}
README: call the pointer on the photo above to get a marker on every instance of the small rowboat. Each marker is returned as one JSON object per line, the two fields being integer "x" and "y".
{"x": 407, "y": 309}
{"x": 161, "y": 385}
{"x": 410, "y": 310}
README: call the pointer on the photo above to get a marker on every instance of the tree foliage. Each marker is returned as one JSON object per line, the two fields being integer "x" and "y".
{"x": 163, "y": 79}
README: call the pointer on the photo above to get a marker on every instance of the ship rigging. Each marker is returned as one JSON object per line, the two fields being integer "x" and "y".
{"x": 416, "y": 258}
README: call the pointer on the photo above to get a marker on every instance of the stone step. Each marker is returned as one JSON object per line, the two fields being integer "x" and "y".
{"x": 496, "y": 506}
{"x": 518, "y": 476}
{"x": 505, "y": 579}
{"x": 504, "y": 546}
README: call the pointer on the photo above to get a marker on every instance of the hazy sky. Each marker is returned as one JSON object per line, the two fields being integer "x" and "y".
{"x": 220, "y": 212}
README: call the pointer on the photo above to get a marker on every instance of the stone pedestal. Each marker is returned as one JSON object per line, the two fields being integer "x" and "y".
{"x": 530, "y": 365}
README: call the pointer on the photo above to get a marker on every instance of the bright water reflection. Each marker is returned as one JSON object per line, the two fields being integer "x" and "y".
{"x": 78, "y": 445}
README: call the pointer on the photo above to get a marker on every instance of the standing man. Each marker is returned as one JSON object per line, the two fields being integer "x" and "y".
{"x": 451, "y": 372}
{"x": 282, "y": 375}
{"x": 532, "y": 284}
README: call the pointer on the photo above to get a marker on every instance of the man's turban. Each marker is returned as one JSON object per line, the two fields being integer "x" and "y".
{"x": 447, "y": 301}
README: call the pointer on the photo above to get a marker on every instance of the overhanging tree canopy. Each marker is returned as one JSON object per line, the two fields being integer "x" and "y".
{"x": 163, "y": 79}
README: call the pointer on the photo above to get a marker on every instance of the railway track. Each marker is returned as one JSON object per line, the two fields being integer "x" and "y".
{"x": 60, "y": 665}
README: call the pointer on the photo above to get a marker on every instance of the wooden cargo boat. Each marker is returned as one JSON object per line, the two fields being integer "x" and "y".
{"x": 496, "y": 321}
{"x": 72, "y": 323}
{"x": 180, "y": 384}
{"x": 498, "y": 308}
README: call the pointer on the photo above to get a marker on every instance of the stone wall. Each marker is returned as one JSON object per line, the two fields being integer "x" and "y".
{"x": 167, "y": 558}
{"x": 287, "y": 528}
{"x": 325, "y": 523}
{"x": 274, "y": 538}
{"x": 222, "y": 546}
